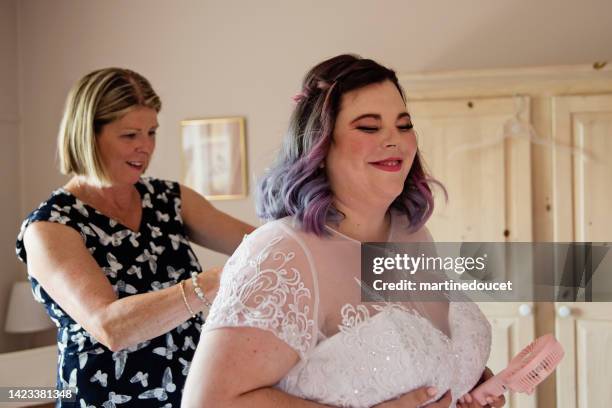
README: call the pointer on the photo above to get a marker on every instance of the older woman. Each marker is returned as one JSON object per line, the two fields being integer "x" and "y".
{"x": 108, "y": 254}
{"x": 288, "y": 326}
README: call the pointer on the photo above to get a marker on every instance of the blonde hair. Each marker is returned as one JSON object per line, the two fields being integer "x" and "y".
{"x": 99, "y": 98}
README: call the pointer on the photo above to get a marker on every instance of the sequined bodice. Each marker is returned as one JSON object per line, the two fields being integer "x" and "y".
{"x": 391, "y": 353}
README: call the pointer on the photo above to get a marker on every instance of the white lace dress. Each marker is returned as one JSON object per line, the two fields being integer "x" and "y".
{"x": 303, "y": 289}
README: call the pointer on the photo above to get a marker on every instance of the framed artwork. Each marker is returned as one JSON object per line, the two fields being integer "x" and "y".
{"x": 214, "y": 157}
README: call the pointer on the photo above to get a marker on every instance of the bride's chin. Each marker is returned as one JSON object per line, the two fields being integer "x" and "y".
{"x": 390, "y": 195}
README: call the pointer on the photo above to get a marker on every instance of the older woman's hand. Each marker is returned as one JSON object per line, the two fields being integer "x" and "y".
{"x": 467, "y": 401}
{"x": 209, "y": 281}
{"x": 416, "y": 398}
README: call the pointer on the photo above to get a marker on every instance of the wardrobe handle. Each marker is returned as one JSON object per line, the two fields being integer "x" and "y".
{"x": 564, "y": 311}
{"x": 525, "y": 310}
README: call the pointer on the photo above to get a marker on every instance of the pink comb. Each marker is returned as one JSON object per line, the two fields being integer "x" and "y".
{"x": 526, "y": 370}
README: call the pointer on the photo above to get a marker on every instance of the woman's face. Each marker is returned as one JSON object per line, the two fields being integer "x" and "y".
{"x": 373, "y": 146}
{"x": 126, "y": 145}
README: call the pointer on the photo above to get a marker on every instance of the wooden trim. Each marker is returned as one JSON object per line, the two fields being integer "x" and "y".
{"x": 563, "y": 207}
{"x": 517, "y": 153}
{"x": 565, "y": 329}
{"x": 545, "y": 81}
{"x": 560, "y": 71}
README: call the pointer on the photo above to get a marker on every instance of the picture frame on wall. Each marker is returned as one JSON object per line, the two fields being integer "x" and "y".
{"x": 214, "y": 157}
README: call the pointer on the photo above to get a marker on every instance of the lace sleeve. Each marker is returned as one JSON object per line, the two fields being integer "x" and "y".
{"x": 269, "y": 284}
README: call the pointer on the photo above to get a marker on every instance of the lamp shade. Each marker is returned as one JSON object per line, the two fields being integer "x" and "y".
{"x": 25, "y": 315}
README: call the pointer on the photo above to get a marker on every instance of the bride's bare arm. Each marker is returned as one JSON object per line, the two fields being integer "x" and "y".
{"x": 237, "y": 367}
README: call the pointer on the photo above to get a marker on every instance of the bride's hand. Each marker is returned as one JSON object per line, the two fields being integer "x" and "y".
{"x": 416, "y": 398}
{"x": 467, "y": 401}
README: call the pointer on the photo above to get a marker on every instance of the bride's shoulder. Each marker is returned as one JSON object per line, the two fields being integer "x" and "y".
{"x": 285, "y": 227}
{"x": 281, "y": 233}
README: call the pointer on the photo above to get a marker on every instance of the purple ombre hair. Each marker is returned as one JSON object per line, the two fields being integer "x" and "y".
{"x": 297, "y": 185}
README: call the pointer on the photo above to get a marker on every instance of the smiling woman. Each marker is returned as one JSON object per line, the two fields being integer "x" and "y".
{"x": 109, "y": 253}
{"x": 371, "y": 153}
{"x": 118, "y": 139}
{"x": 288, "y": 326}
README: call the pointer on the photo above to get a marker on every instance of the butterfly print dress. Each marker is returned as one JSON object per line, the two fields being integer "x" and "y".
{"x": 158, "y": 255}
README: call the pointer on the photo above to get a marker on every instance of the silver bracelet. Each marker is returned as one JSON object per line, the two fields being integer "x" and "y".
{"x": 198, "y": 290}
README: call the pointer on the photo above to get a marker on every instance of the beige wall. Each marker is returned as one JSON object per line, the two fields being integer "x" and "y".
{"x": 239, "y": 57}
{"x": 215, "y": 58}
{"x": 9, "y": 163}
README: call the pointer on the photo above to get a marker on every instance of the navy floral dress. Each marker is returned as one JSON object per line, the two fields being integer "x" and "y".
{"x": 149, "y": 374}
